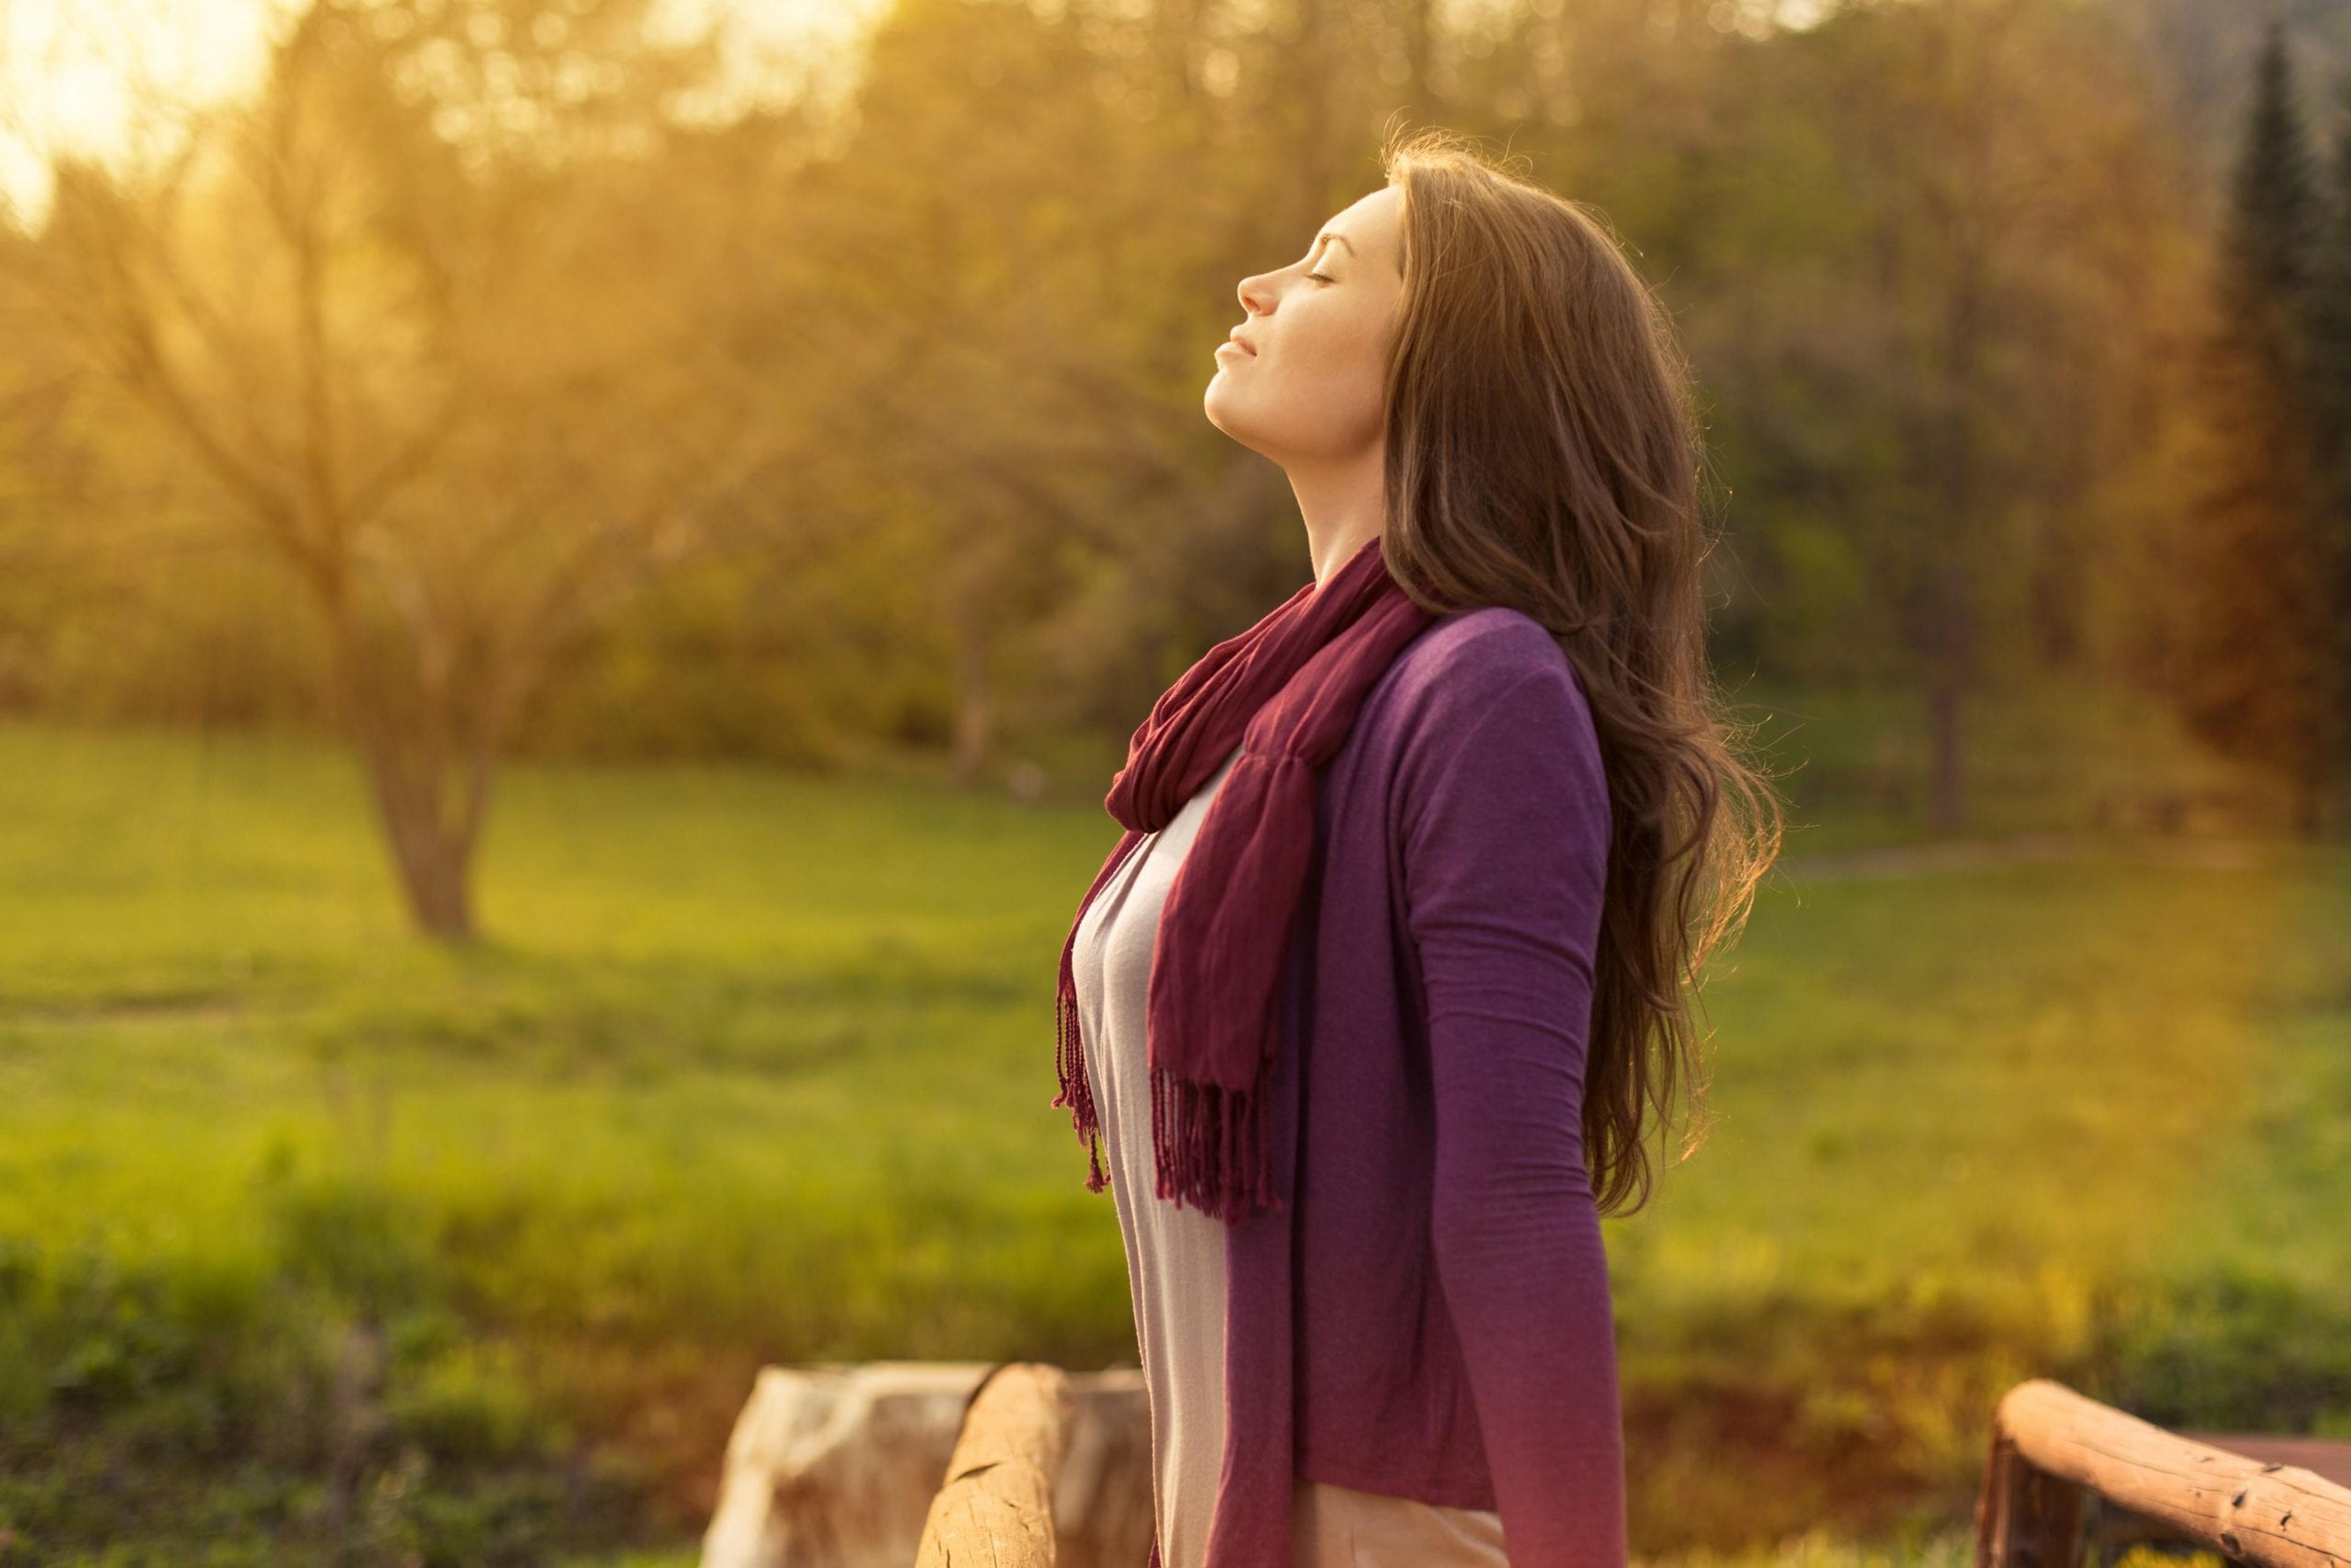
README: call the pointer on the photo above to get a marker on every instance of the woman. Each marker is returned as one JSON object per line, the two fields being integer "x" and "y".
{"x": 1364, "y": 1018}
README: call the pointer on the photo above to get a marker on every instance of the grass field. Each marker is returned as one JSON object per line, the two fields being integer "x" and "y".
{"x": 319, "y": 1243}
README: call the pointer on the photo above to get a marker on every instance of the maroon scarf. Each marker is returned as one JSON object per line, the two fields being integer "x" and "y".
{"x": 1286, "y": 690}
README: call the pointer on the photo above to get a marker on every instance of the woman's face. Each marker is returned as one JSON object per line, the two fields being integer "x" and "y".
{"x": 1304, "y": 378}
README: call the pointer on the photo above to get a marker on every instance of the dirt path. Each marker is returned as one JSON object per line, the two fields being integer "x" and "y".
{"x": 1976, "y": 855}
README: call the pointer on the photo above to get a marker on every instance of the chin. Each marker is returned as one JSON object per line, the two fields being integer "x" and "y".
{"x": 1217, "y": 403}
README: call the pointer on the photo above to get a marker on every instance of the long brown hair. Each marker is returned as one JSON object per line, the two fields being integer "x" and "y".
{"x": 1543, "y": 453}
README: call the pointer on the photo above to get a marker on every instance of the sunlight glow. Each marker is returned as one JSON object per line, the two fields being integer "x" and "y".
{"x": 107, "y": 78}
{"x": 77, "y": 75}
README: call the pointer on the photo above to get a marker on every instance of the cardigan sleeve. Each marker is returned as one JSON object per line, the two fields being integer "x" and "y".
{"x": 1505, "y": 826}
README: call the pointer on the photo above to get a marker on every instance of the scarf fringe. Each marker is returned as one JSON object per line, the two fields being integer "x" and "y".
{"x": 1076, "y": 1093}
{"x": 1210, "y": 1146}
{"x": 1209, "y": 1141}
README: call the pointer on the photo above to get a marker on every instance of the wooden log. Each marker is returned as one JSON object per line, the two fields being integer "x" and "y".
{"x": 2273, "y": 1515}
{"x": 834, "y": 1465}
{"x": 2025, "y": 1518}
{"x": 995, "y": 1509}
{"x": 2329, "y": 1459}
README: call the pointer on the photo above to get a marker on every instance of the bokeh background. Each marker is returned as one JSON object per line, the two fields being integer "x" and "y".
{"x": 573, "y": 572}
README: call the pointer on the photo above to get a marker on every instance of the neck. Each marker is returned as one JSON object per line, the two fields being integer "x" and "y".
{"x": 1344, "y": 505}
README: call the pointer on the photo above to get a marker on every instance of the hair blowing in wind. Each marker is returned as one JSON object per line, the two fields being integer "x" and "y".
{"x": 1543, "y": 453}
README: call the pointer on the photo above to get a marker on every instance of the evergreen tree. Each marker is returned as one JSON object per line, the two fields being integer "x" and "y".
{"x": 2328, "y": 368}
{"x": 2255, "y": 677}
{"x": 2274, "y": 207}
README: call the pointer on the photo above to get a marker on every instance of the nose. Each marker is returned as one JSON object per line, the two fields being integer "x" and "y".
{"x": 1256, "y": 297}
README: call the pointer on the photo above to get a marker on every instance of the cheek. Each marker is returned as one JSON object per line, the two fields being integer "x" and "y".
{"x": 1318, "y": 391}
{"x": 1336, "y": 363}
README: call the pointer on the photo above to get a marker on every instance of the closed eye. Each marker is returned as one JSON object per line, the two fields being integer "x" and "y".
{"x": 1320, "y": 278}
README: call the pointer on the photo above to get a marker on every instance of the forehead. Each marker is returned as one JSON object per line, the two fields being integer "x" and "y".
{"x": 1370, "y": 222}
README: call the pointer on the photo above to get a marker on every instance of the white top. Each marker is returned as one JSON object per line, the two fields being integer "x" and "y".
{"x": 1175, "y": 1256}
{"x": 1175, "y": 1265}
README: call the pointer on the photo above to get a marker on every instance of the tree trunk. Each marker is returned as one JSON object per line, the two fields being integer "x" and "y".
{"x": 1947, "y": 802}
{"x": 1950, "y": 610}
{"x": 436, "y": 870}
{"x": 432, "y": 839}
{"x": 975, "y": 720}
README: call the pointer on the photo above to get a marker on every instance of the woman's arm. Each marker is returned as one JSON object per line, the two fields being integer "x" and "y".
{"x": 1505, "y": 811}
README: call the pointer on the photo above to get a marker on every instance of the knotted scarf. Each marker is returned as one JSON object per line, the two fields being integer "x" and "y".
{"x": 1286, "y": 690}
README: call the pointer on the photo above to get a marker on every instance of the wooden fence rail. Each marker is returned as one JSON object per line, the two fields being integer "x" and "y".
{"x": 995, "y": 1510}
{"x": 2049, "y": 1444}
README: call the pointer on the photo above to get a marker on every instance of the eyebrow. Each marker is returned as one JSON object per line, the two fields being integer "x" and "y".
{"x": 1342, "y": 239}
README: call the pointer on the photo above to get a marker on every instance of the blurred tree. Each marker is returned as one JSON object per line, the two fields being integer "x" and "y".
{"x": 1930, "y": 282}
{"x": 872, "y": 420}
{"x": 2256, "y": 671}
{"x": 2012, "y": 216}
{"x": 36, "y": 565}
{"x": 2200, "y": 56}
{"x": 1019, "y": 258}
{"x": 2330, "y": 401}
{"x": 402, "y": 309}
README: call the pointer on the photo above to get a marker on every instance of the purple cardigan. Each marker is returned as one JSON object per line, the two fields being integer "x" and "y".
{"x": 1428, "y": 1314}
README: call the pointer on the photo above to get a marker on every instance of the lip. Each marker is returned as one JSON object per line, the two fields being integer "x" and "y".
{"x": 1237, "y": 341}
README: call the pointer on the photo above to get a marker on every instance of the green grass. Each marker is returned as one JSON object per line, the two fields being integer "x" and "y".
{"x": 2085, "y": 1120}
{"x": 749, "y": 1071}
{"x": 385, "y": 1251}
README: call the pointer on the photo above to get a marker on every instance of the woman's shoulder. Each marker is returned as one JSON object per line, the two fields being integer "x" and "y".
{"x": 1467, "y": 660}
{"x": 1485, "y": 721}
